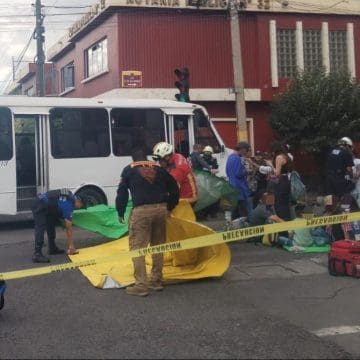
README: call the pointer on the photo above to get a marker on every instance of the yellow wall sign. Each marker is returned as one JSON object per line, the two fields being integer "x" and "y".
{"x": 131, "y": 79}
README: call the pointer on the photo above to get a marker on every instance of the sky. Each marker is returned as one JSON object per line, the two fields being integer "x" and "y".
{"x": 17, "y": 22}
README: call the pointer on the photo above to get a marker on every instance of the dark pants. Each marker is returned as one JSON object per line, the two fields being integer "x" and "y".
{"x": 282, "y": 192}
{"x": 45, "y": 220}
{"x": 240, "y": 210}
{"x": 338, "y": 185}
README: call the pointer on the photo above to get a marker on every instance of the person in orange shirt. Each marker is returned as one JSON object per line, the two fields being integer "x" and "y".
{"x": 179, "y": 168}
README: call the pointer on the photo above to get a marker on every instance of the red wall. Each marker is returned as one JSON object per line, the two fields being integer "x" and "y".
{"x": 158, "y": 42}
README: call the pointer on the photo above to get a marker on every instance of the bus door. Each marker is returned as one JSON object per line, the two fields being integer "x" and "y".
{"x": 179, "y": 130}
{"x": 7, "y": 164}
{"x": 206, "y": 135}
{"x": 30, "y": 158}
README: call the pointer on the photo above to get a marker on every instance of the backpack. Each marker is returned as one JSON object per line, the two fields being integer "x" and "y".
{"x": 298, "y": 188}
{"x": 344, "y": 258}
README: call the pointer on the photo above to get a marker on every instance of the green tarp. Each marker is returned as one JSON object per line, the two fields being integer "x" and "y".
{"x": 211, "y": 189}
{"x": 308, "y": 249}
{"x": 102, "y": 219}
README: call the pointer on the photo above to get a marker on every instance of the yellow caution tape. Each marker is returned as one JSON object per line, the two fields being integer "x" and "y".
{"x": 192, "y": 243}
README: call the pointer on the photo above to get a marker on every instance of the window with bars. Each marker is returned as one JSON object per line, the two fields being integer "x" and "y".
{"x": 96, "y": 59}
{"x": 286, "y": 52}
{"x": 338, "y": 51}
{"x": 312, "y": 49}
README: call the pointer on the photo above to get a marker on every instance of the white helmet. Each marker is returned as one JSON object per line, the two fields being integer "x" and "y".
{"x": 209, "y": 149}
{"x": 345, "y": 141}
{"x": 161, "y": 150}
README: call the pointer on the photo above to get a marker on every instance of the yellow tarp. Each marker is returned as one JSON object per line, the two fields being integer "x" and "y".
{"x": 199, "y": 263}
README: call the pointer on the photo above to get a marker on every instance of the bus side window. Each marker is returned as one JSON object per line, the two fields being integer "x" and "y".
{"x": 136, "y": 128}
{"x": 78, "y": 133}
{"x": 6, "y": 149}
{"x": 204, "y": 135}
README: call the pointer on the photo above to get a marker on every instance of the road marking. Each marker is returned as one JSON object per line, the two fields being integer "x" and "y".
{"x": 337, "y": 330}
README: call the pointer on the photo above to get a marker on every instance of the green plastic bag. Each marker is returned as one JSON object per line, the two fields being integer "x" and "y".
{"x": 213, "y": 188}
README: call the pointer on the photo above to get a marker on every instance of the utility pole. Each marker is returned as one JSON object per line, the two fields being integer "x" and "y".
{"x": 40, "y": 56}
{"x": 241, "y": 127}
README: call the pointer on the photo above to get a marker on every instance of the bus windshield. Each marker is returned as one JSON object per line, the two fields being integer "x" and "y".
{"x": 203, "y": 133}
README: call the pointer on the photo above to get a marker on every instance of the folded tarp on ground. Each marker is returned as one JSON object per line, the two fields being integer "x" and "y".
{"x": 103, "y": 220}
{"x": 193, "y": 264}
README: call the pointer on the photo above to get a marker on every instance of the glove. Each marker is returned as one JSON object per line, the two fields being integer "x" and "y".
{"x": 121, "y": 220}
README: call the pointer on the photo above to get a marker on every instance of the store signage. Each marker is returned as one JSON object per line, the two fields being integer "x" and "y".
{"x": 208, "y": 3}
{"x": 180, "y": 3}
{"x": 95, "y": 10}
{"x": 131, "y": 79}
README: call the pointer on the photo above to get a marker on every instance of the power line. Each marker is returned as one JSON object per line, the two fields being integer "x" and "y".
{"x": 29, "y": 15}
{"x": 19, "y": 60}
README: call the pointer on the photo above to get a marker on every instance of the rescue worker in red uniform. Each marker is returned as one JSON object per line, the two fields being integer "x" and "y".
{"x": 179, "y": 168}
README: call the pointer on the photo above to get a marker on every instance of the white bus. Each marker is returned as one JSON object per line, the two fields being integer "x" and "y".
{"x": 83, "y": 144}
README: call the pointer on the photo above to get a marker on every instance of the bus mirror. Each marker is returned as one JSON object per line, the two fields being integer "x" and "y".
{"x": 222, "y": 148}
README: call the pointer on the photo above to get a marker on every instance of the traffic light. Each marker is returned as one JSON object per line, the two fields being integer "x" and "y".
{"x": 182, "y": 84}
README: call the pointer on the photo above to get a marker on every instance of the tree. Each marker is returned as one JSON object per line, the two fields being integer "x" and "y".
{"x": 316, "y": 110}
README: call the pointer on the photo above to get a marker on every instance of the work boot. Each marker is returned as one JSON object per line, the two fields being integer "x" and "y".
{"x": 38, "y": 257}
{"x": 155, "y": 285}
{"x": 55, "y": 251}
{"x": 137, "y": 290}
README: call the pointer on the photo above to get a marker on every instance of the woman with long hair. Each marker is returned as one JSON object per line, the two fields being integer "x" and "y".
{"x": 282, "y": 168}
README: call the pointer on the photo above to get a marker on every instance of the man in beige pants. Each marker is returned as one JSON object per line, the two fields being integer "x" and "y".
{"x": 154, "y": 194}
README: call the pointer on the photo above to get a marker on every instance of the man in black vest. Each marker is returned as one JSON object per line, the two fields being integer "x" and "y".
{"x": 339, "y": 169}
{"x": 48, "y": 209}
{"x": 154, "y": 194}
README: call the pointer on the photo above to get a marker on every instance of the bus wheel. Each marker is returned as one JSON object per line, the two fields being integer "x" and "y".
{"x": 93, "y": 197}
{"x": 2, "y": 301}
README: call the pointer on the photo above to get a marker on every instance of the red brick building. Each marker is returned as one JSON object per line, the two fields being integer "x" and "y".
{"x": 151, "y": 38}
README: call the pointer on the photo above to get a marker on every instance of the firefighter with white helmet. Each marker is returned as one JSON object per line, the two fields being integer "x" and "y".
{"x": 208, "y": 157}
{"x": 339, "y": 168}
{"x": 208, "y": 149}
{"x": 161, "y": 150}
{"x": 212, "y": 162}
{"x": 179, "y": 168}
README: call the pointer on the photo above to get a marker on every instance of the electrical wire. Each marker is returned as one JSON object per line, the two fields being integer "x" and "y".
{"x": 19, "y": 60}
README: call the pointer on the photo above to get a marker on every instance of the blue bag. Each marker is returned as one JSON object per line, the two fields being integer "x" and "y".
{"x": 298, "y": 189}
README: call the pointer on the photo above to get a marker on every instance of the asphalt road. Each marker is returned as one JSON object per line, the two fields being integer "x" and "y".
{"x": 270, "y": 304}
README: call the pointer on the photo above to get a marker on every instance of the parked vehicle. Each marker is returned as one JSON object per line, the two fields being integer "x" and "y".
{"x": 83, "y": 144}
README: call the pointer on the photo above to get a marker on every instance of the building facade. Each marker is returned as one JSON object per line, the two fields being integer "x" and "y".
{"x": 130, "y": 48}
